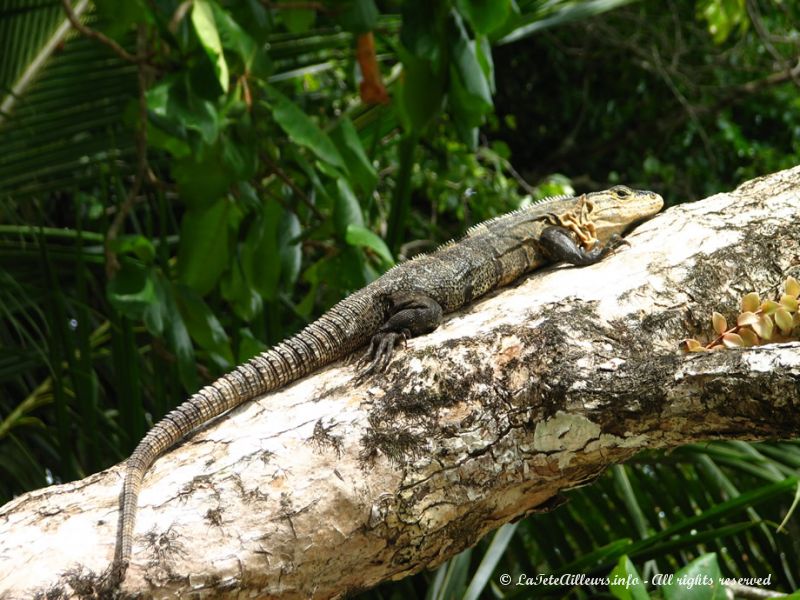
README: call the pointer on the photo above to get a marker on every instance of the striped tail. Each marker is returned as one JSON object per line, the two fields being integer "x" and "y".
{"x": 345, "y": 327}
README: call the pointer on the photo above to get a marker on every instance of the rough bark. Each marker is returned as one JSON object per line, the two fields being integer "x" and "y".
{"x": 331, "y": 486}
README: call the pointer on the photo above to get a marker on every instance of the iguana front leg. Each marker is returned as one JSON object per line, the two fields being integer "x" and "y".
{"x": 559, "y": 245}
{"x": 578, "y": 220}
{"x": 410, "y": 314}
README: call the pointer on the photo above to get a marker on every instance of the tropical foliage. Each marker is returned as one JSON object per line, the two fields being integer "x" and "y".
{"x": 183, "y": 184}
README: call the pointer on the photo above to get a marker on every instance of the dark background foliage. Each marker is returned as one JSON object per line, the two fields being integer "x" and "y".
{"x": 183, "y": 184}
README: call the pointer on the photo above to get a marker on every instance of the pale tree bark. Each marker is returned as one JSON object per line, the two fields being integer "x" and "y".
{"x": 331, "y": 486}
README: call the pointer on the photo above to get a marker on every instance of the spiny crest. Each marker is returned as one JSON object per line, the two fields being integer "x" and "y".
{"x": 484, "y": 226}
{"x": 476, "y": 229}
{"x": 444, "y": 246}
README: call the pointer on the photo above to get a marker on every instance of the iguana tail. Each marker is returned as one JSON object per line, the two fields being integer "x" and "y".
{"x": 345, "y": 327}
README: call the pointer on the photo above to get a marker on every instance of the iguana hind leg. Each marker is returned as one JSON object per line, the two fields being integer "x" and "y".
{"x": 409, "y": 314}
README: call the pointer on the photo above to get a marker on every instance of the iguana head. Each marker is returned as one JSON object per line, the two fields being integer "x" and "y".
{"x": 619, "y": 208}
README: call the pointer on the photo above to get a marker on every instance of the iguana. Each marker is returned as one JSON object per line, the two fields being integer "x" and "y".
{"x": 406, "y": 301}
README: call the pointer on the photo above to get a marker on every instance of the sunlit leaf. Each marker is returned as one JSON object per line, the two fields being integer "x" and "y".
{"x": 633, "y": 588}
{"x": 746, "y": 318}
{"x": 206, "y": 28}
{"x": 784, "y": 320}
{"x": 750, "y": 302}
{"x": 693, "y": 345}
{"x": 719, "y": 323}
{"x": 769, "y": 306}
{"x": 792, "y": 286}
{"x": 347, "y": 210}
{"x": 789, "y": 302}
{"x": 723, "y": 16}
{"x": 361, "y": 236}
{"x": 732, "y": 340}
{"x": 699, "y": 580}
{"x": 749, "y": 337}
{"x": 562, "y": 13}
{"x": 764, "y": 327}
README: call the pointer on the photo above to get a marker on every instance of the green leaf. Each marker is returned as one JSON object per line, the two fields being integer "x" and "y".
{"x": 180, "y": 343}
{"x": 351, "y": 148}
{"x": 132, "y": 289}
{"x": 290, "y": 248}
{"x": 202, "y": 325}
{"x": 477, "y": 96}
{"x": 483, "y": 52}
{"x": 312, "y": 172}
{"x": 347, "y": 210}
{"x": 535, "y": 21}
{"x": 135, "y": 245}
{"x": 302, "y": 130}
{"x": 298, "y": 20}
{"x": 342, "y": 271}
{"x": 138, "y": 292}
{"x": 244, "y": 300}
{"x": 175, "y": 106}
{"x": 155, "y": 315}
{"x": 466, "y": 116}
{"x": 360, "y": 236}
{"x": 626, "y": 583}
{"x": 699, "y": 580}
{"x": 158, "y": 138}
{"x": 238, "y": 156}
{"x": 450, "y": 580}
{"x": 494, "y": 554}
{"x": 359, "y": 17}
{"x": 233, "y": 37}
{"x": 723, "y": 16}
{"x": 206, "y": 28}
{"x": 201, "y": 183}
{"x": 470, "y": 96}
{"x": 422, "y": 31}
{"x": 260, "y": 257}
{"x": 249, "y": 346}
{"x": 204, "y": 246}
{"x": 484, "y": 15}
{"x": 118, "y": 17}
{"x": 420, "y": 92}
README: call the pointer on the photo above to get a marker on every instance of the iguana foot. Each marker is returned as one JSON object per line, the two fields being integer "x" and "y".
{"x": 380, "y": 351}
{"x": 409, "y": 314}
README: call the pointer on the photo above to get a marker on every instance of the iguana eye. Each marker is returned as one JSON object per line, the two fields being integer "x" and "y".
{"x": 622, "y": 191}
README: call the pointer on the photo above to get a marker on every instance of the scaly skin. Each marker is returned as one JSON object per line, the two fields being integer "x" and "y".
{"x": 408, "y": 300}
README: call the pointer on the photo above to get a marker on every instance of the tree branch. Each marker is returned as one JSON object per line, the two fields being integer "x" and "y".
{"x": 330, "y": 486}
{"x": 100, "y": 37}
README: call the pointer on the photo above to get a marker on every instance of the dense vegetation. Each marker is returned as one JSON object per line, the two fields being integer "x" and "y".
{"x": 182, "y": 184}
